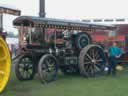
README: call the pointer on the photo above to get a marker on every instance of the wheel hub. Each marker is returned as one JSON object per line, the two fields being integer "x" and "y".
{"x": 93, "y": 61}
{"x": 26, "y": 67}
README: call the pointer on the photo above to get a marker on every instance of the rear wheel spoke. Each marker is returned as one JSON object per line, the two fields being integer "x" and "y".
{"x": 91, "y": 69}
{"x": 89, "y": 56}
{"x": 93, "y": 53}
{"x": 100, "y": 60}
{"x": 87, "y": 62}
{"x": 86, "y": 67}
{"x": 96, "y": 68}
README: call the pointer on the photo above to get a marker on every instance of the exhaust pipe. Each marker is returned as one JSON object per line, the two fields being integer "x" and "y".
{"x": 42, "y": 8}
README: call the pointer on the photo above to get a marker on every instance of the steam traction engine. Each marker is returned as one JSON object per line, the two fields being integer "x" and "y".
{"x": 47, "y": 45}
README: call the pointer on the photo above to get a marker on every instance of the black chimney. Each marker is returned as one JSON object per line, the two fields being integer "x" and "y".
{"x": 1, "y": 22}
{"x": 42, "y": 8}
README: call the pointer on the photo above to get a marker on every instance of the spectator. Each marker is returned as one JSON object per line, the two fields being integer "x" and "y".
{"x": 114, "y": 53}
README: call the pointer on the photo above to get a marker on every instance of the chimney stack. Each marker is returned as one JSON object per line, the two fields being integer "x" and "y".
{"x": 42, "y": 8}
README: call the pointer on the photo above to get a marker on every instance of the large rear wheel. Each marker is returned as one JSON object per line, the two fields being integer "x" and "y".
{"x": 92, "y": 61}
{"x": 5, "y": 62}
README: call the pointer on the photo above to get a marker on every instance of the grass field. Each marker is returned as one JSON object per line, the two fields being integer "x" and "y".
{"x": 70, "y": 86}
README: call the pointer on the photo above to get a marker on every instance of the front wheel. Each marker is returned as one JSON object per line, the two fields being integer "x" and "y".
{"x": 47, "y": 68}
{"x": 24, "y": 67}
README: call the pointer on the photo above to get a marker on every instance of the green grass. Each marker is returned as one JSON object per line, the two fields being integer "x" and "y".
{"x": 70, "y": 86}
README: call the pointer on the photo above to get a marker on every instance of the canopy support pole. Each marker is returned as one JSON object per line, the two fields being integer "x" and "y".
{"x": 1, "y": 22}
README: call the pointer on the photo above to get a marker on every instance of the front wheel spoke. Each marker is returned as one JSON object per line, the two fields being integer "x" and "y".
{"x": 52, "y": 69}
{"x": 30, "y": 66}
{"x": 45, "y": 69}
{"x": 21, "y": 69}
{"x": 22, "y": 73}
{"x": 48, "y": 63}
{"x": 21, "y": 65}
{"x": 51, "y": 65}
{"x": 28, "y": 74}
{"x": 30, "y": 70}
{"x": 26, "y": 59}
{"x": 24, "y": 62}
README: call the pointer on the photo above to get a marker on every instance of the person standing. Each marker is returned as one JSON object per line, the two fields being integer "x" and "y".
{"x": 114, "y": 53}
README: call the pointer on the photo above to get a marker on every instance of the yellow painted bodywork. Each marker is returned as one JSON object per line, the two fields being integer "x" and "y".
{"x": 5, "y": 64}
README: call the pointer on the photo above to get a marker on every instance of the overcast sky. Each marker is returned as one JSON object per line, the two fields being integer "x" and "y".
{"x": 69, "y": 9}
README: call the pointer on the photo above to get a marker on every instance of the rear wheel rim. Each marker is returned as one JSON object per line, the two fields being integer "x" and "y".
{"x": 5, "y": 62}
{"x": 92, "y": 61}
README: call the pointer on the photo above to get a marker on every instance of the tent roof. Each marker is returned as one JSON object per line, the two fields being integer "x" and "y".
{"x": 9, "y": 10}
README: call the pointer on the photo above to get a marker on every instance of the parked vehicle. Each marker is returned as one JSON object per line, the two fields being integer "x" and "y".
{"x": 47, "y": 45}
